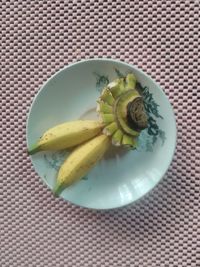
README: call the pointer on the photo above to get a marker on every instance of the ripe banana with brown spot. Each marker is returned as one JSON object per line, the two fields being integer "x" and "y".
{"x": 67, "y": 135}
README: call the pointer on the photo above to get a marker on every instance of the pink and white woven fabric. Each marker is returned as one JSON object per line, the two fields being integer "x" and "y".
{"x": 38, "y": 38}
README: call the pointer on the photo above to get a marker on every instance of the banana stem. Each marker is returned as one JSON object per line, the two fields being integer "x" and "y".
{"x": 33, "y": 149}
{"x": 57, "y": 190}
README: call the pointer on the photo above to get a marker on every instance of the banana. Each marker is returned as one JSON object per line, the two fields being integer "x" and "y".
{"x": 117, "y": 138}
{"x": 117, "y": 87}
{"x": 80, "y": 161}
{"x": 104, "y": 107}
{"x": 107, "y": 118}
{"x": 121, "y": 108}
{"x": 67, "y": 135}
{"x": 107, "y": 97}
{"x": 110, "y": 129}
{"x": 129, "y": 141}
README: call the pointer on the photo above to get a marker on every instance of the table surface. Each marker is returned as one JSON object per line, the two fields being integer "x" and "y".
{"x": 37, "y": 39}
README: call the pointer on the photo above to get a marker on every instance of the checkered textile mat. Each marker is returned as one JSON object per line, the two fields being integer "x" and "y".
{"x": 37, "y": 39}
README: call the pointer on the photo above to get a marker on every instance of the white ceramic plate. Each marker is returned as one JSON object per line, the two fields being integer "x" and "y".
{"x": 122, "y": 177}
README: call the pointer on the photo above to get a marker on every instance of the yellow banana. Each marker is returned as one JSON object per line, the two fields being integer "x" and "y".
{"x": 80, "y": 161}
{"x": 67, "y": 135}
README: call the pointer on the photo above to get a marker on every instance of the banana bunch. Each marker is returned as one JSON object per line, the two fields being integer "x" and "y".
{"x": 88, "y": 145}
{"x": 121, "y": 109}
{"x": 122, "y": 117}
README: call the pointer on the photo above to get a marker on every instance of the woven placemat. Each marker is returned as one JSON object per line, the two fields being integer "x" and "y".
{"x": 37, "y": 39}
